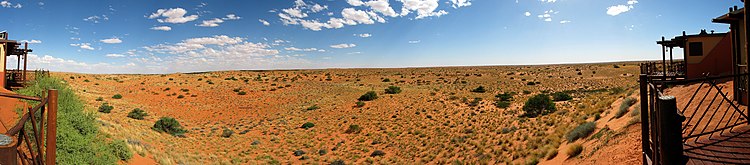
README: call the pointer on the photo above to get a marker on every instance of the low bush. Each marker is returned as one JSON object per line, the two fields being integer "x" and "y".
{"x": 502, "y": 104}
{"x": 386, "y": 80}
{"x": 505, "y": 96}
{"x": 137, "y": 114}
{"x": 106, "y": 108}
{"x": 377, "y": 153}
{"x": 180, "y": 96}
{"x": 117, "y": 96}
{"x": 369, "y": 96}
{"x": 538, "y": 105}
{"x": 580, "y": 131}
{"x": 99, "y": 99}
{"x": 307, "y": 125}
{"x": 360, "y": 103}
{"x": 313, "y": 107}
{"x": 479, "y": 89}
{"x": 242, "y": 93}
{"x": 393, "y": 90}
{"x": 561, "y": 96}
{"x": 227, "y": 133}
{"x": 120, "y": 149}
{"x": 353, "y": 129}
{"x": 624, "y": 107}
{"x": 168, "y": 125}
{"x": 575, "y": 150}
{"x": 475, "y": 102}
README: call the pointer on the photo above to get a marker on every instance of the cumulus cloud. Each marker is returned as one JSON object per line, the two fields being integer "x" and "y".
{"x": 96, "y": 18}
{"x": 355, "y": 2}
{"x": 31, "y": 41}
{"x": 317, "y": 8}
{"x": 547, "y": 16}
{"x": 172, "y": 15}
{"x": 363, "y": 35}
{"x": 162, "y": 28}
{"x": 111, "y": 41}
{"x": 460, "y": 3}
{"x": 565, "y": 21}
{"x": 216, "y": 21}
{"x": 424, "y": 8}
{"x": 264, "y": 22}
{"x": 383, "y": 7}
{"x": 527, "y": 14}
{"x": 8, "y": 4}
{"x": 619, "y": 9}
{"x": 86, "y": 46}
{"x": 342, "y": 46}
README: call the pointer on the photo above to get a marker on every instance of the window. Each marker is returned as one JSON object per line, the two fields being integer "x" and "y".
{"x": 696, "y": 49}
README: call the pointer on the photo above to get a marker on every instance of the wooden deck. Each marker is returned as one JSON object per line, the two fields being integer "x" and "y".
{"x": 731, "y": 147}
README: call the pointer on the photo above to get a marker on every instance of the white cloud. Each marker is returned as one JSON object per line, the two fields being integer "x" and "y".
{"x": 460, "y": 3}
{"x": 424, "y": 8}
{"x": 96, "y": 18}
{"x": 565, "y": 21}
{"x": 232, "y": 17}
{"x": 317, "y": 8}
{"x": 162, "y": 28}
{"x": 172, "y": 15}
{"x": 619, "y": 9}
{"x": 527, "y": 14}
{"x": 548, "y": 19}
{"x": 358, "y": 16}
{"x": 295, "y": 12}
{"x": 382, "y": 6}
{"x": 547, "y": 16}
{"x": 211, "y": 23}
{"x": 355, "y": 2}
{"x": 111, "y": 41}
{"x": 83, "y": 46}
{"x": 363, "y": 35}
{"x": 415, "y": 41}
{"x": 216, "y": 21}
{"x": 7, "y": 4}
{"x": 265, "y": 23}
{"x": 115, "y": 55}
{"x": 341, "y": 46}
{"x": 32, "y": 41}
{"x": 549, "y": 1}
{"x": 304, "y": 50}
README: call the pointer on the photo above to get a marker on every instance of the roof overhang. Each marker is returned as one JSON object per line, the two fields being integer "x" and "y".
{"x": 731, "y": 17}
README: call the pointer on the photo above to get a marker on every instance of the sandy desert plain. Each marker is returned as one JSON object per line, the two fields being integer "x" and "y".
{"x": 257, "y": 117}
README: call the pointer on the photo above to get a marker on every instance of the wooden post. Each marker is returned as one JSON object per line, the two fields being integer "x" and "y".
{"x": 25, "y": 54}
{"x": 50, "y": 154}
{"x": 663, "y": 60}
{"x": 670, "y": 131}
{"x": 747, "y": 36}
{"x": 646, "y": 150}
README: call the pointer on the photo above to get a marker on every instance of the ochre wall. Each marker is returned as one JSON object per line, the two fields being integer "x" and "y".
{"x": 716, "y": 61}
{"x": 2, "y": 65}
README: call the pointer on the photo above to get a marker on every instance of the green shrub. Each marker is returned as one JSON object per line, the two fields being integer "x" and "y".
{"x": 353, "y": 129}
{"x": 479, "y": 89}
{"x": 504, "y": 96}
{"x": 538, "y": 105}
{"x": 369, "y": 96}
{"x": 574, "y": 150}
{"x": 242, "y": 93}
{"x": 78, "y": 138}
{"x": 561, "y": 96}
{"x": 137, "y": 114}
{"x": 227, "y": 133}
{"x": 168, "y": 125}
{"x": 624, "y": 107}
{"x": 117, "y": 96}
{"x": 636, "y": 111}
{"x": 106, "y": 108}
{"x": 475, "y": 102}
{"x": 180, "y": 96}
{"x": 580, "y": 131}
{"x": 360, "y": 103}
{"x": 393, "y": 90}
{"x": 386, "y": 80}
{"x": 99, "y": 99}
{"x": 120, "y": 149}
{"x": 502, "y": 104}
{"x": 307, "y": 125}
{"x": 313, "y": 107}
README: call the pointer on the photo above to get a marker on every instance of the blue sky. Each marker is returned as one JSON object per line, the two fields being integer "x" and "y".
{"x": 145, "y": 36}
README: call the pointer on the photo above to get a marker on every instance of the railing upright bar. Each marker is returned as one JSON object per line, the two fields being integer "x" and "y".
{"x": 36, "y": 136}
{"x": 51, "y": 127}
{"x": 646, "y": 151}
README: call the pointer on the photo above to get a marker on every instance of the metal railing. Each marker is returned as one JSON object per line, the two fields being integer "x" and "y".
{"x": 30, "y": 146}
{"x": 709, "y": 112}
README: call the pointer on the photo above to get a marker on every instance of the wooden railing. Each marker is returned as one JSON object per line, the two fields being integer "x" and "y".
{"x": 668, "y": 130}
{"x": 30, "y": 146}
{"x": 664, "y": 70}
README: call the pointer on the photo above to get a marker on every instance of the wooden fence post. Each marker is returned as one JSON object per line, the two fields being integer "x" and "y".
{"x": 51, "y": 149}
{"x": 670, "y": 131}
{"x": 645, "y": 138}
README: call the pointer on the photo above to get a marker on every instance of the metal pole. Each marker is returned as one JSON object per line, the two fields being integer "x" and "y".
{"x": 646, "y": 150}
{"x": 51, "y": 127}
